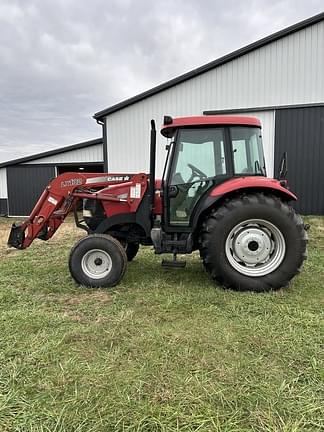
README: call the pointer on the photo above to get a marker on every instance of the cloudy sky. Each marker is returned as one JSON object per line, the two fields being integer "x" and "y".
{"x": 62, "y": 61}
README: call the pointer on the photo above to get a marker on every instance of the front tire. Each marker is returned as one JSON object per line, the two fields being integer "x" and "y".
{"x": 254, "y": 242}
{"x": 97, "y": 260}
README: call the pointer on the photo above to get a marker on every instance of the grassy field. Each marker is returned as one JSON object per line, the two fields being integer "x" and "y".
{"x": 167, "y": 350}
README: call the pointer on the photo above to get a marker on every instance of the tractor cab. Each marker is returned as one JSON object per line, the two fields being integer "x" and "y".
{"x": 206, "y": 151}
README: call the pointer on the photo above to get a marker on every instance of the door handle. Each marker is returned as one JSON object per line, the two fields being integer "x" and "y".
{"x": 173, "y": 191}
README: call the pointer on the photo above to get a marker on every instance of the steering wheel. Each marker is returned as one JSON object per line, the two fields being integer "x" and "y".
{"x": 196, "y": 172}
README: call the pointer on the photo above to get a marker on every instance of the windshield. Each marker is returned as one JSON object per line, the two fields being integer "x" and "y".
{"x": 247, "y": 151}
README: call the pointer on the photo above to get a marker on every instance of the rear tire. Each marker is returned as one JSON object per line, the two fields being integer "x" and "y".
{"x": 130, "y": 249}
{"x": 97, "y": 260}
{"x": 255, "y": 242}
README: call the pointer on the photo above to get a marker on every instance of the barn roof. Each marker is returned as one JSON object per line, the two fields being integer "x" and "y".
{"x": 211, "y": 65}
{"x": 52, "y": 152}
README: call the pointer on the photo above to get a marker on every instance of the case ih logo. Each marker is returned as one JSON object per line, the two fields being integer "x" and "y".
{"x": 107, "y": 179}
{"x": 118, "y": 178}
{"x": 72, "y": 182}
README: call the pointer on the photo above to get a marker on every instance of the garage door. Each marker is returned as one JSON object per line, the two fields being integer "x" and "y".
{"x": 300, "y": 132}
{"x": 25, "y": 185}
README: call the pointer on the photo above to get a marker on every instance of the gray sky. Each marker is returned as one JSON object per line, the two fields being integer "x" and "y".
{"x": 63, "y": 60}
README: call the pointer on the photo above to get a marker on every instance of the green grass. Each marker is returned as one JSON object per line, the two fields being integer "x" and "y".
{"x": 166, "y": 350}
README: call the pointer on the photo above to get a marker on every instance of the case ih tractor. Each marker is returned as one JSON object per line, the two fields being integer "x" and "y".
{"x": 214, "y": 197}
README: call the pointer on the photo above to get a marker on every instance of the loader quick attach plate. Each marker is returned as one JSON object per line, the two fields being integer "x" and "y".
{"x": 16, "y": 237}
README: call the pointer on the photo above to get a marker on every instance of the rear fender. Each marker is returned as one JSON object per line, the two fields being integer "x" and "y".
{"x": 236, "y": 186}
{"x": 253, "y": 183}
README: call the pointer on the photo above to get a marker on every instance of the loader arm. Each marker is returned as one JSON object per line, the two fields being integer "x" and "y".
{"x": 61, "y": 196}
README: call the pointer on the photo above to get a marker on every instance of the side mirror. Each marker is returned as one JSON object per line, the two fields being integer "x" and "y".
{"x": 283, "y": 167}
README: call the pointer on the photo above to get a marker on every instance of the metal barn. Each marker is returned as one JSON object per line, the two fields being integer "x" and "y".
{"x": 23, "y": 180}
{"x": 278, "y": 79}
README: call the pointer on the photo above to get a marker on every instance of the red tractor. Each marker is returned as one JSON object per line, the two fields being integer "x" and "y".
{"x": 214, "y": 197}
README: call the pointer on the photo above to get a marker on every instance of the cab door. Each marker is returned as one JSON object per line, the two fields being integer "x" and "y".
{"x": 198, "y": 159}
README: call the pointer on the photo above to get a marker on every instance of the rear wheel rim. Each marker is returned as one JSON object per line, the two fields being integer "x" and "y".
{"x": 96, "y": 264}
{"x": 255, "y": 247}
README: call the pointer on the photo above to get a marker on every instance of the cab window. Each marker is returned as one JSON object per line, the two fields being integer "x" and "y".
{"x": 247, "y": 151}
{"x": 200, "y": 154}
{"x": 199, "y": 157}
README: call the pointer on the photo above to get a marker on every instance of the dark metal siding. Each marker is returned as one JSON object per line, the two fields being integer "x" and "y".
{"x": 300, "y": 132}
{"x": 25, "y": 184}
{"x": 3, "y": 207}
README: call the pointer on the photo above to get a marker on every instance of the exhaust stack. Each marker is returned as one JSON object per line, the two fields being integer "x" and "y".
{"x": 152, "y": 164}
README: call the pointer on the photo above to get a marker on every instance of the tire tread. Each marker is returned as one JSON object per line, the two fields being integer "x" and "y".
{"x": 218, "y": 217}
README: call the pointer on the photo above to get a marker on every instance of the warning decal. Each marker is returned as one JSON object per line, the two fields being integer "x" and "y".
{"x": 135, "y": 191}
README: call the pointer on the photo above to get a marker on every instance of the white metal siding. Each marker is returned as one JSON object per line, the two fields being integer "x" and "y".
{"x": 3, "y": 183}
{"x": 92, "y": 153}
{"x": 285, "y": 72}
{"x": 139, "y": 159}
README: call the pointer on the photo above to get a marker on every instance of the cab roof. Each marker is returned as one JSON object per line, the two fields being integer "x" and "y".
{"x": 170, "y": 124}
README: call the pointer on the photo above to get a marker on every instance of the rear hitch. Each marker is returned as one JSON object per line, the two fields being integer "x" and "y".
{"x": 16, "y": 237}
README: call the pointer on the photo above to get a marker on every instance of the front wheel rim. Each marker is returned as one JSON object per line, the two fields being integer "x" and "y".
{"x": 255, "y": 247}
{"x": 96, "y": 264}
